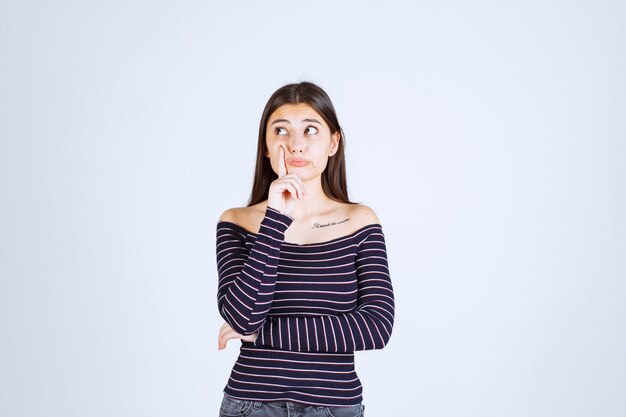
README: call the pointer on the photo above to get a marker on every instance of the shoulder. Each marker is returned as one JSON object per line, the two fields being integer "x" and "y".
{"x": 248, "y": 218}
{"x": 363, "y": 215}
{"x": 369, "y": 227}
{"x": 231, "y": 215}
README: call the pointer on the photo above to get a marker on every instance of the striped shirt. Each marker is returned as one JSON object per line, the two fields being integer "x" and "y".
{"x": 313, "y": 305}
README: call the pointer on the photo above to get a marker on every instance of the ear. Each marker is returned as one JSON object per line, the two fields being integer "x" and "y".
{"x": 334, "y": 143}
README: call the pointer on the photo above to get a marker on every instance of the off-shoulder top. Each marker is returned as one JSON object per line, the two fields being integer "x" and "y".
{"x": 313, "y": 305}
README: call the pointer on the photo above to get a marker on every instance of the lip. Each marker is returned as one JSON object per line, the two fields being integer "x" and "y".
{"x": 297, "y": 162}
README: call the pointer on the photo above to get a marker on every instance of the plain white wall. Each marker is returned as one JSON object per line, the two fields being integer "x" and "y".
{"x": 490, "y": 138}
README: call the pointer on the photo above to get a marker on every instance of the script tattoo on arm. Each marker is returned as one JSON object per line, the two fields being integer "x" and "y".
{"x": 331, "y": 223}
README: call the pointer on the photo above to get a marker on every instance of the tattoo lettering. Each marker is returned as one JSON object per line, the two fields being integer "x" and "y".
{"x": 332, "y": 223}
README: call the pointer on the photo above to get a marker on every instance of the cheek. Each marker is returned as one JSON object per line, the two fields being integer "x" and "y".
{"x": 272, "y": 154}
{"x": 271, "y": 149}
{"x": 273, "y": 146}
{"x": 321, "y": 158}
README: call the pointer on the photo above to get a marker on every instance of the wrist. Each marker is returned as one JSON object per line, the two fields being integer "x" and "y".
{"x": 276, "y": 213}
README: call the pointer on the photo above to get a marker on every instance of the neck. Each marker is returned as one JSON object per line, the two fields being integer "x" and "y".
{"x": 314, "y": 201}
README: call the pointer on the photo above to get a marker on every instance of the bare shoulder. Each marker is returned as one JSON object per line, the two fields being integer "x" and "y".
{"x": 363, "y": 215}
{"x": 247, "y": 217}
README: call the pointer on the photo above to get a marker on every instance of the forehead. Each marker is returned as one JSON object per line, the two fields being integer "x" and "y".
{"x": 295, "y": 113}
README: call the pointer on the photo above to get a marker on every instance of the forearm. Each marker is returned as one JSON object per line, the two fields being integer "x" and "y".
{"x": 368, "y": 326}
{"x": 365, "y": 329}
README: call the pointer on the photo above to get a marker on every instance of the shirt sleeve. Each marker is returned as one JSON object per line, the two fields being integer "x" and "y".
{"x": 247, "y": 276}
{"x": 367, "y": 327}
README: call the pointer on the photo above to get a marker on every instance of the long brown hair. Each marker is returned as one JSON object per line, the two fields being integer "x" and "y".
{"x": 334, "y": 182}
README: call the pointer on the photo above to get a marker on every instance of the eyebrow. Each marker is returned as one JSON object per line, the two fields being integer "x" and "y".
{"x": 287, "y": 121}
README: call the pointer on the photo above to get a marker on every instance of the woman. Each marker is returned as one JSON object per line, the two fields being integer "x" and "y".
{"x": 303, "y": 275}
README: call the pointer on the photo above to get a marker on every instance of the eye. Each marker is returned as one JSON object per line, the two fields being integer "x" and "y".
{"x": 280, "y": 131}
{"x": 311, "y": 130}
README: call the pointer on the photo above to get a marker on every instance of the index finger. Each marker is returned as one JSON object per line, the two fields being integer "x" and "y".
{"x": 282, "y": 166}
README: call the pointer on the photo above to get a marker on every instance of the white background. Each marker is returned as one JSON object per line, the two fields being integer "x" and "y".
{"x": 490, "y": 138}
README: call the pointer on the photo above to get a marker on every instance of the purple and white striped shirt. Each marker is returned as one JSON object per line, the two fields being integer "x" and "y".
{"x": 313, "y": 305}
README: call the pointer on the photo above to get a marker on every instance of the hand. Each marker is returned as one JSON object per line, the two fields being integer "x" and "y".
{"x": 227, "y": 333}
{"x": 285, "y": 189}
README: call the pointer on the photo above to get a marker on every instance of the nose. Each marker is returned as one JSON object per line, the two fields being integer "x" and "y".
{"x": 297, "y": 144}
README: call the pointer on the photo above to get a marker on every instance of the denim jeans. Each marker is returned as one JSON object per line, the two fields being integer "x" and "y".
{"x": 232, "y": 407}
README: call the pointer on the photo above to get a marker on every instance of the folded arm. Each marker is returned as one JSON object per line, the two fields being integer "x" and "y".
{"x": 369, "y": 326}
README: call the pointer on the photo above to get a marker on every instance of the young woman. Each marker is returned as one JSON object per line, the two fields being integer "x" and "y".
{"x": 303, "y": 274}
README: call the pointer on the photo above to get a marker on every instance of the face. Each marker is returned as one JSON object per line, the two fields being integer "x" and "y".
{"x": 305, "y": 137}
